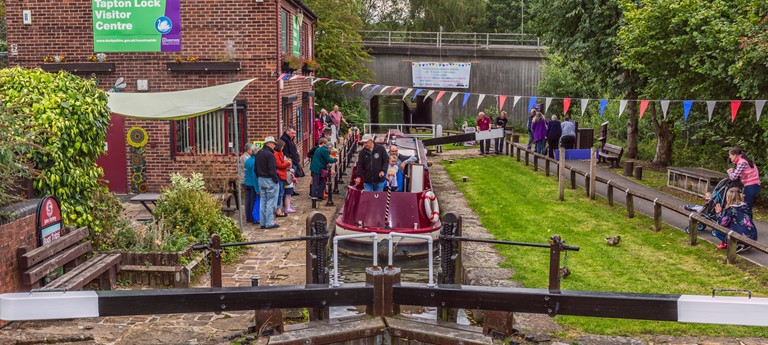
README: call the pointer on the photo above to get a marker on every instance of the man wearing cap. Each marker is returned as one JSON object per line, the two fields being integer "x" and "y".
{"x": 372, "y": 164}
{"x": 266, "y": 171}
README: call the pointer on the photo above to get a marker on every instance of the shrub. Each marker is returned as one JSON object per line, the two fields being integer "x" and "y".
{"x": 74, "y": 112}
{"x": 16, "y": 142}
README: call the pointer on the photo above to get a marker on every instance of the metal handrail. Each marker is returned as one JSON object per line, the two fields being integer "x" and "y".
{"x": 402, "y": 126}
{"x": 372, "y": 235}
{"x": 429, "y": 251}
{"x": 439, "y": 39}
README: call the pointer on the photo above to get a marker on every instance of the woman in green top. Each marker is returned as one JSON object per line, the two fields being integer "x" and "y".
{"x": 320, "y": 161}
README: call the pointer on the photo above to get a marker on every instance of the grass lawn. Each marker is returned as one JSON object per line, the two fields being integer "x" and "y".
{"x": 516, "y": 204}
{"x": 452, "y": 147}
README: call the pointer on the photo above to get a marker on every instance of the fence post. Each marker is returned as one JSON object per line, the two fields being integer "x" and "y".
{"x": 535, "y": 162}
{"x": 592, "y": 173}
{"x": 518, "y": 153}
{"x": 587, "y": 185}
{"x": 573, "y": 179}
{"x": 610, "y": 193}
{"x": 390, "y": 278}
{"x": 730, "y": 257}
{"x": 316, "y": 258}
{"x": 215, "y": 260}
{"x": 374, "y": 277}
{"x": 656, "y": 216}
{"x": 630, "y": 205}
{"x": 561, "y": 176}
{"x": 546, "y": 167}
{"x": 693, "y": 229}
{"x": 526, "y": 157}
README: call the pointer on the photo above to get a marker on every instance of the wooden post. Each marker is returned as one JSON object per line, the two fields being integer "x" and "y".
{"x": 592, "y": 173}
{"x": 657, "y": 215}
{"x": 215, "y": 261}
{"x": 561, "y": 176}
{"x": 630, "y": 205}
{"x": 515, "y": 138}
{"x": 610, "y": 193}
{"x": 587, "y": 185}
{"x": 546, "y": 166}
{"x": 526, "y": 157}
{"x": 693, "y": 229}
{"x": 535, "y": 162}
{"x": 628, "y": 167}
{"x": 554, "y": 264}
{"x": 518, "y": 153}
{"x": 374, "y": 276}
{"x": 573, "y": 179}
{"x": 730, "y": 257}
{"x": 391, "y": 278}
{"x": 639, "y": 173}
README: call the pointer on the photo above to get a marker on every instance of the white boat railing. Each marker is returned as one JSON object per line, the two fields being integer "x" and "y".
{"x": 392, "y": 235}
{"x": 374, "y": 237}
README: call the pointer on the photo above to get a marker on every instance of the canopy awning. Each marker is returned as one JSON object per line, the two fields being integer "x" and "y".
{"x": 174, "y": 105}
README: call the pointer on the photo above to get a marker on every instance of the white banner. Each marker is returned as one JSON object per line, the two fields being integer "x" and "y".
{"x": 441, "y": 74}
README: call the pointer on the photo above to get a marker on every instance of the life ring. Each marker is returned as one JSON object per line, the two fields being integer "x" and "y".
{"x": 431, "y": 207}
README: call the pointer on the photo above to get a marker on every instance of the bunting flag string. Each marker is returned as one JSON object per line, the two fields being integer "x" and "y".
{"x": 281, "y": 77}
{"x": 603, "y": 104}
{"x": 622, "y": 106}
{"x": 503, "y": 99}
{"x": 686, "y": 109}
{"x": 466, "y": 98}
{"x": 734, "y": 109}
{"x": 664, "y": 108}
{"x": 710, "y": 108}
{"x": 584, "y": 102}
{"x": 759, "y": 108}
{"x": 439, "y": 95}
{"x": 452, "y": 97}
{"x": 295, "y": 76}
{"x": 643, "y": 107}
{"x": 480, "y": 101}
{"x": 532, "y": 103}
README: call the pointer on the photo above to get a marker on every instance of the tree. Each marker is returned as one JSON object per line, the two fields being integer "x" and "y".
{"x": 445, "y": 15}
{"x": 683, "y": 50}
{"x": 585, "y": 31}
{"x": 503, "y": 16}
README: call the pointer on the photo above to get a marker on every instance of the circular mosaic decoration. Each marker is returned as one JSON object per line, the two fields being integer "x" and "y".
{"x": 137, "y": 178}
{"x": 137, "y": 137}
{"x": 143, "y": 188}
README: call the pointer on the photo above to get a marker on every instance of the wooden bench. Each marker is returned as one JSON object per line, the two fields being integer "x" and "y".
{"x": 66, "y": 251}
{"x": 697, "y": 181}
{"x": 611, "y": 153}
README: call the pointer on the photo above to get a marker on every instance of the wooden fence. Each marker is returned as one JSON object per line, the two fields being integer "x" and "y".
{"x": 520, "y": 151}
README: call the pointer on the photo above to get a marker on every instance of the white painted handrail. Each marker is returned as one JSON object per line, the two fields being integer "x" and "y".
{"x": 429, "y": 251}
{"x": 372, "y": 235}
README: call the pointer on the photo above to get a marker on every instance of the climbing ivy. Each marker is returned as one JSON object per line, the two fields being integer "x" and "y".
{"x": 73, "y": 111}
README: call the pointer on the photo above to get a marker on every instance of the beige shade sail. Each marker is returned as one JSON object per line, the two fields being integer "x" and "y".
{"x": 174, "y": 105}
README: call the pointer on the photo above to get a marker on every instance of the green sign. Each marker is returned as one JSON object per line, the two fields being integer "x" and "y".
{"x": 296, "y": 36}
{"x": 136, "y": 25}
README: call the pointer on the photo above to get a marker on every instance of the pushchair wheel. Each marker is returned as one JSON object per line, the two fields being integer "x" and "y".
{"x": 701, "y": 227}
{"x": 687, "y": 229}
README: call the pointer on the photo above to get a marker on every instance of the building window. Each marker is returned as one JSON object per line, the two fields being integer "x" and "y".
{"x": 299, "y": 123}
{"x": 283, "y": 31}
{"x": 287, "y": 108}
{"x": 211, "y": 134}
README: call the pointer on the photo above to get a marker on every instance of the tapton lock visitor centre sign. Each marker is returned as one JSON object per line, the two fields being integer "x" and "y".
{"x": 136, "y": 25}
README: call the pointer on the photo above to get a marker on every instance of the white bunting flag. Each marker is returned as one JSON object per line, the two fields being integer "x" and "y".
{"x": 480, "y": 100}
{"x": 452, "y": 97}
{"x": 547, "y": 102}
{"x": 664, "y": 108}
{"x": 514, "y": 103}
{"x": 330, "y": 81}
{"x": 384, "y": 89}
{"x": 584, "y": 102}
{"x": 759, "y": 108}
{"x": 364, "y": 86}
{"x": 622, "y": 106}
{"x": 429, "y": 94}
{"x": 407, "y": 91}
{"x": 314, "y": 81}
{"x": 345, "y": 84}
{"x": 710, "y": 108}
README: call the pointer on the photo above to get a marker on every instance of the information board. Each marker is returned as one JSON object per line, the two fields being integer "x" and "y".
{"x": 136, "y": 25}
{"x": 441, "y": 74}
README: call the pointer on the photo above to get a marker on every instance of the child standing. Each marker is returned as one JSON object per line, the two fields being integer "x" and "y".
{"x": 735, "y": 217}
{"x": 392, "y": 173}
{"x": 290, "y": 182}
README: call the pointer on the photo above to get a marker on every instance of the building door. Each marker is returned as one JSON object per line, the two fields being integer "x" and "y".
{"x": 113, "y": 160}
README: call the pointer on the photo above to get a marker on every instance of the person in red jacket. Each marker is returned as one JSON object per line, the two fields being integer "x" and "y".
{"x": 282, "y": 166}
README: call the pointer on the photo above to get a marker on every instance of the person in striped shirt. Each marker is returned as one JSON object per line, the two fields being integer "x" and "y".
{"x": 747, "y": 172}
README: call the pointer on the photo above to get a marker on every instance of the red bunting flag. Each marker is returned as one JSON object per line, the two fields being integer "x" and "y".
{"x": 502, "y": 99}
{"x": 734, "y": 109}
{"x": 643, "y": 106}
{"x": 395, "y": 90}
{"x": 281, "y": 77}
{"x": 566, "y": 105}
{"x": 439, "y": 95}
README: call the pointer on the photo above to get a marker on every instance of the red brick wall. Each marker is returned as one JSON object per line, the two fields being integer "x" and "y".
{"x": 18, "y": 233}
{"x": 65, "y": 28}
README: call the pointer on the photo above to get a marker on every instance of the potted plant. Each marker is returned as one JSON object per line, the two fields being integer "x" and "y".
{"x": 309, "y": 66}
{"x": 291, "y": 63}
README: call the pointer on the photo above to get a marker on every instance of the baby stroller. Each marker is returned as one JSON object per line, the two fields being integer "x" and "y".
{"x": 717, "y": 196}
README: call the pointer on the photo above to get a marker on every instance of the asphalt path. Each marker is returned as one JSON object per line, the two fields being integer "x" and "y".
{"x": 645, "y": 207}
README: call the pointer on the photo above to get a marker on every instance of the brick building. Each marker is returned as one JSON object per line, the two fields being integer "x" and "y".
{"x": 230, "y": 40}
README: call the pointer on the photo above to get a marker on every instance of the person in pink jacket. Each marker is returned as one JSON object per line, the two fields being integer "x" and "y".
{"x": 747, "y": 172}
